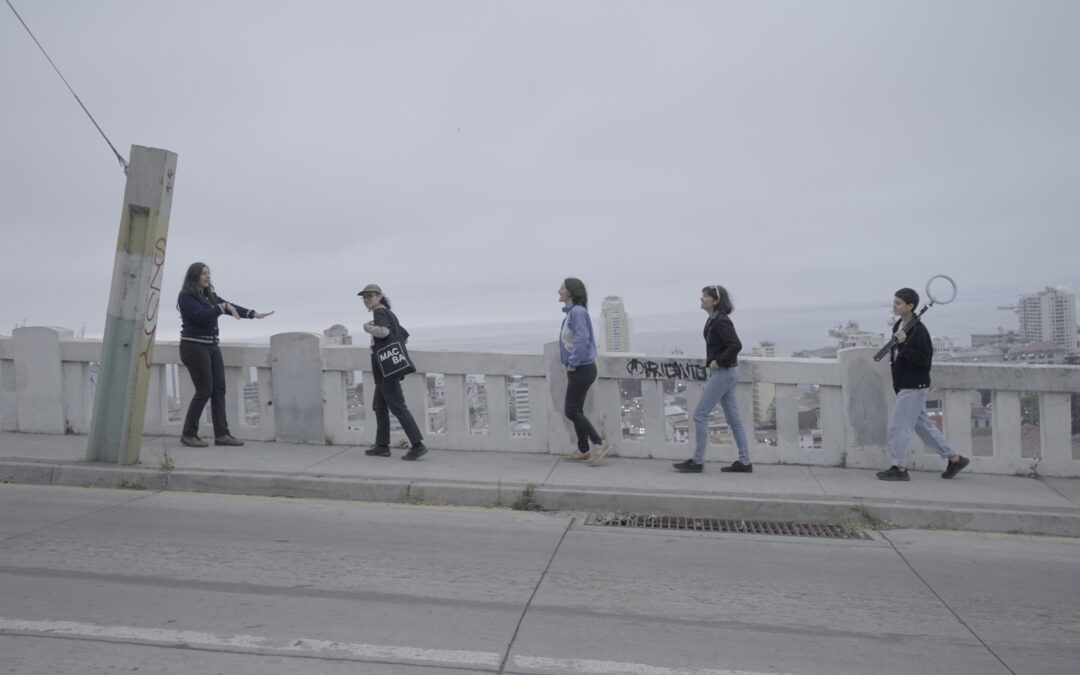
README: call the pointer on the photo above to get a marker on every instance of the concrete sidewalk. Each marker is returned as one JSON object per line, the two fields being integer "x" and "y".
{"x": 980, "y": 502}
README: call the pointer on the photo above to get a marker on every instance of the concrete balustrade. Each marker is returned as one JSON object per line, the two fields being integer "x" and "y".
{"x": 47, "y": 386}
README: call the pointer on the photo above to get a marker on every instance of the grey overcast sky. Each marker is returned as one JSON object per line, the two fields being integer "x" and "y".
{"x": 468, "y": 155}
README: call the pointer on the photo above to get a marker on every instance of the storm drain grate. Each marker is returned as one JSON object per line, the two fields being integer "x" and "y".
{"x": 692, "y": 524}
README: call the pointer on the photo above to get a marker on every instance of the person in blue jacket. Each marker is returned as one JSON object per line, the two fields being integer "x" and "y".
{"x": 577, "y": 349}
{"x": 200, "y": 308}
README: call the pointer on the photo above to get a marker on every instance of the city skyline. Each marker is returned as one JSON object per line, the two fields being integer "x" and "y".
{"x": 790, "y": 329}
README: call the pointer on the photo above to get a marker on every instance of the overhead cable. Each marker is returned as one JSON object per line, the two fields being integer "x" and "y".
{"x": 119, "y": 157}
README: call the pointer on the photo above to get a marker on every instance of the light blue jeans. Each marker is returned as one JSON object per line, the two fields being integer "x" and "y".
{"x": 910, "y": 414}
{"x": 719, "y": 388}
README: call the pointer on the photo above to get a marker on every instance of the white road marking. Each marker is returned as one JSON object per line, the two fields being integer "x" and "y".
{"x": 332, "y": 649}
{"x": 300, "y": 646}
{"x": 617, "y": 668}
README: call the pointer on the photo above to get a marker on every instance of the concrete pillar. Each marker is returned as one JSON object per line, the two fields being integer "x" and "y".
{"x": 335, "y": 409}
{"x": 498, "y": 411}
{"x": 608, "y": 402}
{"x": 787, "y": 418}
{"x": 457, "y": 409}
{"x": 958, "y": 419}
{"x": 1005, "y": 422}
{"x": 833, "y": 430}
{"x": 560, "y": 432}
{"x": 134, "y": 301}
{"x": 296, "y": 362}
{"x": 866, "y": 387}
{"x": 9, "y": 407}
{"x": 539, "y": 395}
{"x": 39, "y": 391}
{"x": 414, "y": 388}
{"x": 1055, "y": 426}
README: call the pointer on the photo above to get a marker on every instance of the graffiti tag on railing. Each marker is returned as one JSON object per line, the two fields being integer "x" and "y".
{"x": 666, "y": 370}
{"x": 150, "y": 313}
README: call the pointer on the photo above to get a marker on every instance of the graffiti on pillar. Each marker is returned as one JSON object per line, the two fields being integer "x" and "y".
{"x": 153, "y": 302}
{"x": 666, "y": 370}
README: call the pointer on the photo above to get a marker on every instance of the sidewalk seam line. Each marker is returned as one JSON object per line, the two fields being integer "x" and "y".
{"x": 81, "y": 515}
{"x": 946, "y": 604}
{"x": 528, "y": 604}
{"x": 814, "y": 475}
{"x": 324, "y": 459}
{"x": 554, "y": 466}
{"x": 1055, "y": 490}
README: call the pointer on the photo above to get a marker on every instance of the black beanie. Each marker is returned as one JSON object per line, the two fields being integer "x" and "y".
{"x": 908, "y": 295}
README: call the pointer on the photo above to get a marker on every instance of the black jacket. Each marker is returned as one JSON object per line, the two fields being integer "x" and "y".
{"x": 382, "y": 316}
{"x": 911, "y": 360}
{"x": 721, "y": 343}
{"x": 198, "y": 316}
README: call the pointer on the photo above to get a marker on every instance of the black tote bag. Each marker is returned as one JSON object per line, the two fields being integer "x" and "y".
{"x": 393, "y": 358}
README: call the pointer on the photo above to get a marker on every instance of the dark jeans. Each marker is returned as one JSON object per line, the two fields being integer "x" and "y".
{"x": 390, "y": 399}
{"x": 207, "y": 372}
{"x": 578, "y": 382}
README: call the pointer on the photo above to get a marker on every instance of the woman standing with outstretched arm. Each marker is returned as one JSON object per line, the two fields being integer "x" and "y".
{"x": 577, "y": 349}
{"x": 722, "y": 348}
{"x": 200, "y": 308}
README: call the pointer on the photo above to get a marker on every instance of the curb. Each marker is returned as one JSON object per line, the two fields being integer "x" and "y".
{"x": 874, "y": 514}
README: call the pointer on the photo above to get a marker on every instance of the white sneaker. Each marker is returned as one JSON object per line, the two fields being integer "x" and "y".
{"x": 598, "y": 453}
{"x": 576, "y": 456}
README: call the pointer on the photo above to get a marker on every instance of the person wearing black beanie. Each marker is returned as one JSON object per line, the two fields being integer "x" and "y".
{"x": 911, "y": 359}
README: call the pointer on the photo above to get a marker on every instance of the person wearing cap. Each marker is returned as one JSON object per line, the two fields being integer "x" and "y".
{"x": 911, "y": 358}
{"x": 200, "y": 308}
{"x": 384, "y": 329}
{"x": 577, "y": 350}
{"x": 722, "y": 347}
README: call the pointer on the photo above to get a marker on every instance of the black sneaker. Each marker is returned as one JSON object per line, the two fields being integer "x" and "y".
{"x": 378, "y": 451}
{"x": 954, "y": 467}
{"x": 228, "y": 440}
{"x": 738, "y": 467}
{"x": 415, "y": 452}
{"x": 689, "y": 466}
{"x": 893, "y": 473}
{"x": 193, "y": 442}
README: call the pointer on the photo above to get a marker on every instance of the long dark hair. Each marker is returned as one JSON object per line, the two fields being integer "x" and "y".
{"x": 191, "y": 284}
{"x": 576, "y": 288}
{"x": 720, "y": 295}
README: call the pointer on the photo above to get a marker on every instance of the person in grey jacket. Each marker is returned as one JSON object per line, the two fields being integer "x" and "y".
{"x": 385, "y": 329}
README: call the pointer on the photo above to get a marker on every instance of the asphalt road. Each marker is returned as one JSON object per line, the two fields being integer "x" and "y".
{"x": 112, "y": 581}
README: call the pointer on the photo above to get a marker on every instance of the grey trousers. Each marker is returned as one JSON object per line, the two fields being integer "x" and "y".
{"x": 719, "y": 388}
{"x": 910, "y": 414}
